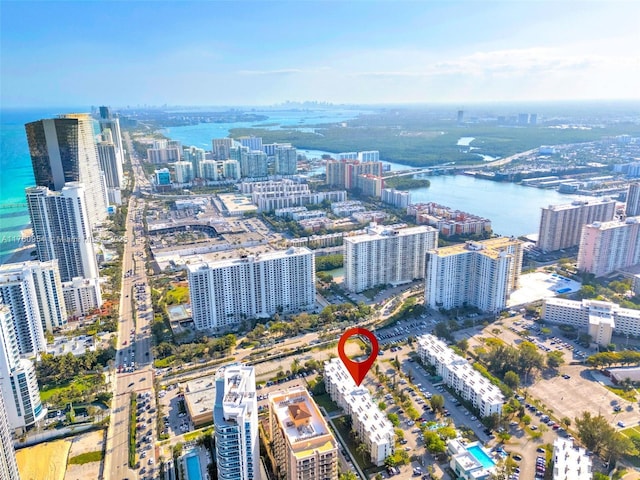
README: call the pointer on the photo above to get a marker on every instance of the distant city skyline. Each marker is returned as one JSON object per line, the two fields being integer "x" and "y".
{"x": 264, "y": 53}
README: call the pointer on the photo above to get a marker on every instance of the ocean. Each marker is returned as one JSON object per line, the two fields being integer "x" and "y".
{"x": 16, "y": 173}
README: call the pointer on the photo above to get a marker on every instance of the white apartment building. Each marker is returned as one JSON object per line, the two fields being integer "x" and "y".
{"x": 371, "y": 425}
{"x": 386, "y": 255}
{"x": 184, "y": 172}
{"x": 561, "y": 225}
{"x": 209, "y": 169}
{"x": 231, "y": 169}
{"x": 593, "y": 315}
{"x": 347, "y": 208}
{"x": 253, "y": 164}
{"x": 112, "y": 167}
{"x": 570, "y": 462}
{"x": 235, "y": 419}
{"x": 8, "y": 464}
{"x": 460, "y": 375}
{"x": 226, "y": 292}
{"x": 82, "y": 295}
{"x": 274, "y": 195}
{"x": 286, "y": 160}
{"x": 397, "y": 198}
{"x": 609, "y": 246}
{"x": 303, "y": 445}
{"x": 632, "y": 208}
{"x": 62, "y": 230}
{"x": 34, "y": 292}
{"x": 18, "y": 383}
{"x": 369, "y": 156}
{"x": 482, "y": 274}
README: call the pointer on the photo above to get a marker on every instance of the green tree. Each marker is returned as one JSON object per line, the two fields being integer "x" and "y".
{"x": 555, "y": 359}
{"x": 437, "y": 403}
{"x": 512, "y": 379}
{"x": 382, "y": 406}
{"x": 593, "y": 431}
{"x": 463, "y": 345}
{"x": 348, "y": 476}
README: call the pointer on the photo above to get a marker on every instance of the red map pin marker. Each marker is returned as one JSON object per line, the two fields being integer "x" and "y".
{"x": 358, "y": 370}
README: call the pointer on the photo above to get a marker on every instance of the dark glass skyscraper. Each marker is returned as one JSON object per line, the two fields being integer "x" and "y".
{"x": 63, "y": 150}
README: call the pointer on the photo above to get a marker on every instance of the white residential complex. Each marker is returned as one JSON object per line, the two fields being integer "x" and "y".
{"x": 386, "y": 255}
{"x": 112, "y": 167}
{"x": 34, "y": 292}
{"x": 609, "y": 246}
{"x": 570, "y": 462}
{"x": 371, "y": 425}
{"x": 277, "y": 194}
{"x": 81, "y": 295}
{"x": 561, "y": 225}
{"x": 303, "y": 445}
{"x": 460, "y": 375}
{"x": 397, "y": 198}
{"x": 600, "y": 318}
{"x": 62, "y": 231}
{"x": 480, "y": 274}
{"x": 18, "y": 383}
{"x": 8, "y": 464}
{"x": 235, "y": 419}
{"x": 226, "y": 292}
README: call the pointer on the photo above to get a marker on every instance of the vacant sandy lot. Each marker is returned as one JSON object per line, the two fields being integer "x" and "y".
{"x": 47, "y": 461}
{"x": 85, "y": 443}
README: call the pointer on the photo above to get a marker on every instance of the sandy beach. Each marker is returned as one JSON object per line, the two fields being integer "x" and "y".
{"x": 23, "y": 253}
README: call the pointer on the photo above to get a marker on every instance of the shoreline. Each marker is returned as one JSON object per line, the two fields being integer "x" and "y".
{"x": 23, "y": 252}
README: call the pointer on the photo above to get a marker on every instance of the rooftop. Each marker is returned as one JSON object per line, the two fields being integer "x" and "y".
{"x": 301, "y": 421}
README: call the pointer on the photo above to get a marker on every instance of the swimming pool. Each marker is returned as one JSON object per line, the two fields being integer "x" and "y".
{"x": 193, "y": 468}
{"x": 480, "y": 455}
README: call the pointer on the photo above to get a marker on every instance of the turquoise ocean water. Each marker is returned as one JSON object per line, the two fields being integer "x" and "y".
{"x": 16, "y": 172}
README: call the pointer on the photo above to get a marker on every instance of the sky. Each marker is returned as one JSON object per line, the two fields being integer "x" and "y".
{"x": 267, "y": 52}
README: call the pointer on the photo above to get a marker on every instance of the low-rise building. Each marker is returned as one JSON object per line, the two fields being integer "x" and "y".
{"x": 370, "y": 424}
{"x": 347, "y": 208}
{"x": 460, "y": 375}
{"x": 600, "y": 318}
{"x": 199, "y": 399}
{"x": 449, "y": 221}
{"x": 470, "y": 462}
{"x": 570, "y": 462}
{"x": 303, "y": 445}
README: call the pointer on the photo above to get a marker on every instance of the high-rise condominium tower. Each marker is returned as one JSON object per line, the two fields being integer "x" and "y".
{"x": 235, "y": 419}
{"x": 111, "y": 166}
{"x": 633, "y": 200}
{"x": 110, "y": 122}
{"x": 386, "y": 255}
{"x": 480, "y": 274}
{"x": 8, "y": 464}
{"x": 34, "y": 293}
{"x": 286, "y": 160}
{"x": 62, "y": 230}
{"x": 226, "y": 292}
{"x": 609, "y": 246}
{"x": 561, "y": 225}
{"x": 64, "y": 150}
{"x": 18, "y": 381}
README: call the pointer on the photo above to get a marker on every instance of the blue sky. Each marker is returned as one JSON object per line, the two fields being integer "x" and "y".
{"x": 266, "y": 52}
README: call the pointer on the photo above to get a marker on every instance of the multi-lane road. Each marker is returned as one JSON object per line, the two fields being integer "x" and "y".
{"x": 134, "y": 358}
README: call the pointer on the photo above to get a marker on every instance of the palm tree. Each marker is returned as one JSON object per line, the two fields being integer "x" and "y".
{"x": 362, "y": 450}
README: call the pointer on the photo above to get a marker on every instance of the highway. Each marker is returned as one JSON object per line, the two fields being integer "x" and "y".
{"x": 134, "y": 345}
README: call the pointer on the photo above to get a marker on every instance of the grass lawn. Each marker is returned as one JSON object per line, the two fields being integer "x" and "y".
{"x": 632, "y": 432}
{"x": 628, "y": 395}
{"x": 86, "y": 458}
{"x": 325, "y": 401}
{"x": 75, "y": 387}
